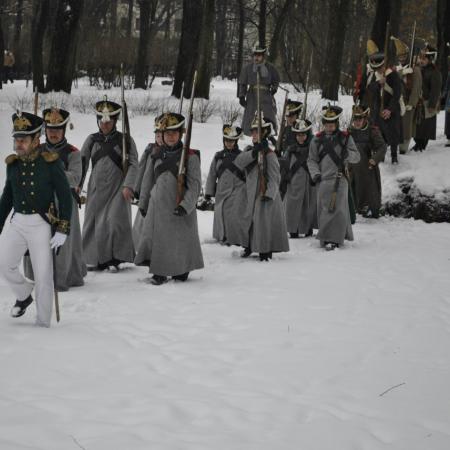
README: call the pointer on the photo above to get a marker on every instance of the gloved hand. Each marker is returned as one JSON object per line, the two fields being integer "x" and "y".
{"x": 57, "y": 240}
{"x": 258, "y": 147}
{"x": 242, "y": 102}
{"x": 207, "y": 197}
{"x": 317, "y": 178}
{"x": 143, "y": 212}
{"x": 179, "y": 211}
{"x": 273, "y": 90}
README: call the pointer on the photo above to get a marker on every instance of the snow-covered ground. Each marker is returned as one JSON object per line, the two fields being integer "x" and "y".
{"x": 314, "y": 350}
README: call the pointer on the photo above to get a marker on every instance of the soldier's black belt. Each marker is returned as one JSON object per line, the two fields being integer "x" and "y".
{"x": 328, "y": 149}
{"x": 107, "y": 150}
{"x": 228, "y": 164}
{"x": 296, "y": 167}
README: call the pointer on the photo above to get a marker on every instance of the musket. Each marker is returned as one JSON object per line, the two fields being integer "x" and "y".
{"x": 180, "y": 107}
{"x": 305, "y": 101}
{"x": 125, "y": 124}
{"x": 411, "y": 52}
{"x": 261, "y": 154}
{"x": 55, "y": 290}
{"x": 181, "y": 178}
{"x": 386, "y": 47}
{"x": 282, "y": 124}
{"x": 36, "y": 100}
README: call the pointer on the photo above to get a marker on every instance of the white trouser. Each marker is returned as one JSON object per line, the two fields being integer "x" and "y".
{"x": 32, "y": 232}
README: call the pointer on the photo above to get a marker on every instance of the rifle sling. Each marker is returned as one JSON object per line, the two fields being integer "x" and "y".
{"x": 169, "y": 164}
{"x": 107, "y": 149}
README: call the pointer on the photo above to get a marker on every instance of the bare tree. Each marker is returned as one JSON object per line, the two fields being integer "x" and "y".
{"x": 39, "y": 25}
{"x": 443, "y": 41}
{"x": 64, "y": 45}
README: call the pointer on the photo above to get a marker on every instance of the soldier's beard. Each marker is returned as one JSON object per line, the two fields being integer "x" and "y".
{"x": 24, "y": 148}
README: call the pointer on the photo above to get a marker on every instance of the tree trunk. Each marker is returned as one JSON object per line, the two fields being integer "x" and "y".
{"x": 130, "y": 19}
{"x": 262, "y": 22}
{"x": 278, "y": 32}
{"x": 141, "y": 74}
{"x": 240, "y": 54}
{"x": 188, "y": 50}
{"x": 204, "y": 64}
{"x": 18, "y": 34}
{"x": 386, "y": 10}
{"x": 443, "y": 41}
{"x": 113, "y": 23}
{"x": 64, "y": 45}
{"x": 337, "y": 28}
{"x": 221, "y": 35}
{"x": 2, "y": 46}
{"x": 38, "y": 29}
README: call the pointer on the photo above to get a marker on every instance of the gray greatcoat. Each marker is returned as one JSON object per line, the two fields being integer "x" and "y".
{"x": 265, "y": 219}
{"x": 170, "y": 244}
{"x": 70, "y": 266}
{"x": 226, "y": 183}
{"x": 300, "y": 201}
{"x": 411, "y": 91}
{"x": 431, "y": 94}
{"x": 270, "y": 80}
{"x": 333, "y": 226}
{"x": 143, "y": 164}
{"x": 366, "y": 179}
{"x": 107, "y": 234}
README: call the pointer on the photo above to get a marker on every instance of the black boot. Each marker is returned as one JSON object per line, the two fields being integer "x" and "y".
{"x": 182, "y": 277}
{"x": 21, "y": 306}
{"x": 265, "y": 256}
{"x": 293, "y": 235}
{"x": 246, "y": 253}
{"x": 309, "y": 233}
{"x": 157, "y": 280}
{"x": 329, "y": 246}
{"x": 394, "y": 158}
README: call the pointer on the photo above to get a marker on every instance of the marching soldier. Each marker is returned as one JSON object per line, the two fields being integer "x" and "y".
{"x": 430, "y": 101}
{"x": 293, "y": 109}
{"x": 247, "y": 86}
{"x": 386, "y": 114}
{"x": 143, "y": 164}
{"x": 411, "y": 90}
{"x": 300, "y": 200}
{"x": 70, "y": 266}
{"x": 107, "y": 233}
{"x": 33, "y": 180}
{"x": 329, "y": 153}
{"x": 226, "y": 183}
{"x": 169, "y": 243}
{"x": 265, "y": 219}
{"x": 365, "y": 175}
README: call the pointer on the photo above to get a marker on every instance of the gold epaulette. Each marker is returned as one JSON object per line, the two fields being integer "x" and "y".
{"x": 50, "y": 156}
{"x": 11, "y": 158}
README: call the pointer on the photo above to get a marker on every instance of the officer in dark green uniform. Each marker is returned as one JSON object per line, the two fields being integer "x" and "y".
{"x": 32, "y": 181}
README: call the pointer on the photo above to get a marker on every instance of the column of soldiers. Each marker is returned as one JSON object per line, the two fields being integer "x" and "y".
{"x": 328, "y": 177}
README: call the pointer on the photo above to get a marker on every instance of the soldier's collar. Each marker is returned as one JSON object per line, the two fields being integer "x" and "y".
{"x": 31, "y": 156}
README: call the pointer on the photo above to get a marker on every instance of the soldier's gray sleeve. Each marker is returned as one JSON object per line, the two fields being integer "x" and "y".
{"x": 313, "y": 159}
{"x": 193, "y": 183}
{"x": 273, "y": 176}
{"x": 87, "y": 148}
{"x": 73, "y": 172}
{"x": 353, "y": 156}
{"x": 211, "y": 181}
{"x": 416, "y": 90}
{"x": 378, "y": 145}
{"x": 141, "y": 169}
{"x": 243, "y": 160}
{"x": 146, "y": 186}
{"x": 130, "y": 179}
{"x": 243, "y": 82}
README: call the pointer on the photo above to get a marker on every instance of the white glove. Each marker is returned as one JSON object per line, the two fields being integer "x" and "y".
{"x": 57, "y": 240}
{"x": 409, "y": 108}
